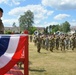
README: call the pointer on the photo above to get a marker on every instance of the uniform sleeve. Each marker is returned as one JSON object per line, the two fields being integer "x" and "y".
{"x": 1, "y": 27}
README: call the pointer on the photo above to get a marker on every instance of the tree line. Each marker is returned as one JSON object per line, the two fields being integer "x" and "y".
{"x": 26, "y": 22}
{"x": 64, "y": 27}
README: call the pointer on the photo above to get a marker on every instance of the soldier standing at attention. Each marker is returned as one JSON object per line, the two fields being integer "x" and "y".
{"x": 57, "y": 42}
{"x": 47, "y": 42}
{"x": 62, "y": 42}
{"x": 73, "y": 42}
{"x": 30, "y": 38}
{"x": 1, "y": 24}
{"x": 39, "y": 40}
{"x": 66, "y": 41}
{"x": 51, "y": 43}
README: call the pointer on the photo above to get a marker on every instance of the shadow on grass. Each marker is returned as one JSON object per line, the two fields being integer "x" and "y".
{"x": 36, "y": 70}
{"x": 21, "y": 66}
{"x": 30, "y": 63}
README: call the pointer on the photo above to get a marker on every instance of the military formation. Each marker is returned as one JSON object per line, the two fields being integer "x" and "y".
{"x": 55, "y": 42}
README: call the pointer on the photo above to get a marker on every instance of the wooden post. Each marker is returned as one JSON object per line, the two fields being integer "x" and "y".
{"x": 26, "y": 55}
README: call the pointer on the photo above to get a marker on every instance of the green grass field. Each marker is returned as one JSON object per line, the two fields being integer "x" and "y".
{"x": 51, "y": 63}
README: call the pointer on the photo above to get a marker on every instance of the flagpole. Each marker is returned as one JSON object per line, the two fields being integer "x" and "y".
{"x": 26, "y": 55}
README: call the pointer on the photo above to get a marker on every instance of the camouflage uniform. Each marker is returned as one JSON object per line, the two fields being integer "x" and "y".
{"x": 1, "y": 27}
{"x": 47, "y": 43}
{"x": 51, "y": 42}
{"x": 70, "y": 41}
{"x": 43, "y": 42}
{"x": 30, "y": 38}
{"x": 35, "y": 40}
{"x": 62, "y": 43}
{"x": 73, "y": 42}
{"x": 57, "y": 42}
{"x": 39, "y": 40}
{"x": 67, "y": 42}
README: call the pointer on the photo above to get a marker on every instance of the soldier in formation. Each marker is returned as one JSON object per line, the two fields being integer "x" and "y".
{"x": 46, "y": 42}
{"x": 56, "y": 42}
{"x": 62, "y": 42}
{"x": 57, "y": 38}
{"x": 31, "y": 38}
{"x": 73, "y": 42}
{"x": 39, "y": 40}
{"x": 51, "y": 43}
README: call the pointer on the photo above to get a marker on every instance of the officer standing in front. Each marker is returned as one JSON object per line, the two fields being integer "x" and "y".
{"x": 1, "y": 24}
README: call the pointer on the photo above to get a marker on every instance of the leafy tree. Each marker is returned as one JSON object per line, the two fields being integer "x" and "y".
{"x": 26, "y": 21}
{"x": 66, "y": 27}
{"x": 32, "y": 29}
{"x": 8, "y": 32}
{"x": 50, "y": 28}
{"x": 14, "y": 24}
{"x": 53, "y": 28}
{"x": 46, "y": 30}
{"x": 61, "y": 28}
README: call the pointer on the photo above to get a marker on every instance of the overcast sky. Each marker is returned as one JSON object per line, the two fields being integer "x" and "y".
{"x": 46, "y": 12}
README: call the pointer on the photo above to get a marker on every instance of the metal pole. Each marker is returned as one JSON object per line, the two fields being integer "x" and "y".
{"x": 26, "y": 55}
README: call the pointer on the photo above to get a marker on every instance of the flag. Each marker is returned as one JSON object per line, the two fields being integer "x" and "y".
{"x": 11, "y": 47}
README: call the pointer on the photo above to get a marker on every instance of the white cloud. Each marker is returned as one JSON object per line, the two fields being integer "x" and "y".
{"x": 37, "y": 9}
{"x": 11, "y": 2}
{"x": 3, "y": 1}
{"x": 73, "y": 20}
{"x": 9, "y": 22}
{"x": 61, "y": 16}
{"x": 40, "y": 13}
{"x": 49, "y": 13}
{"x": 73, "y": 23}
{"x": 60, "y": 4}
{"x": 15, "y": 2}
{"x": 45, "y": 24}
